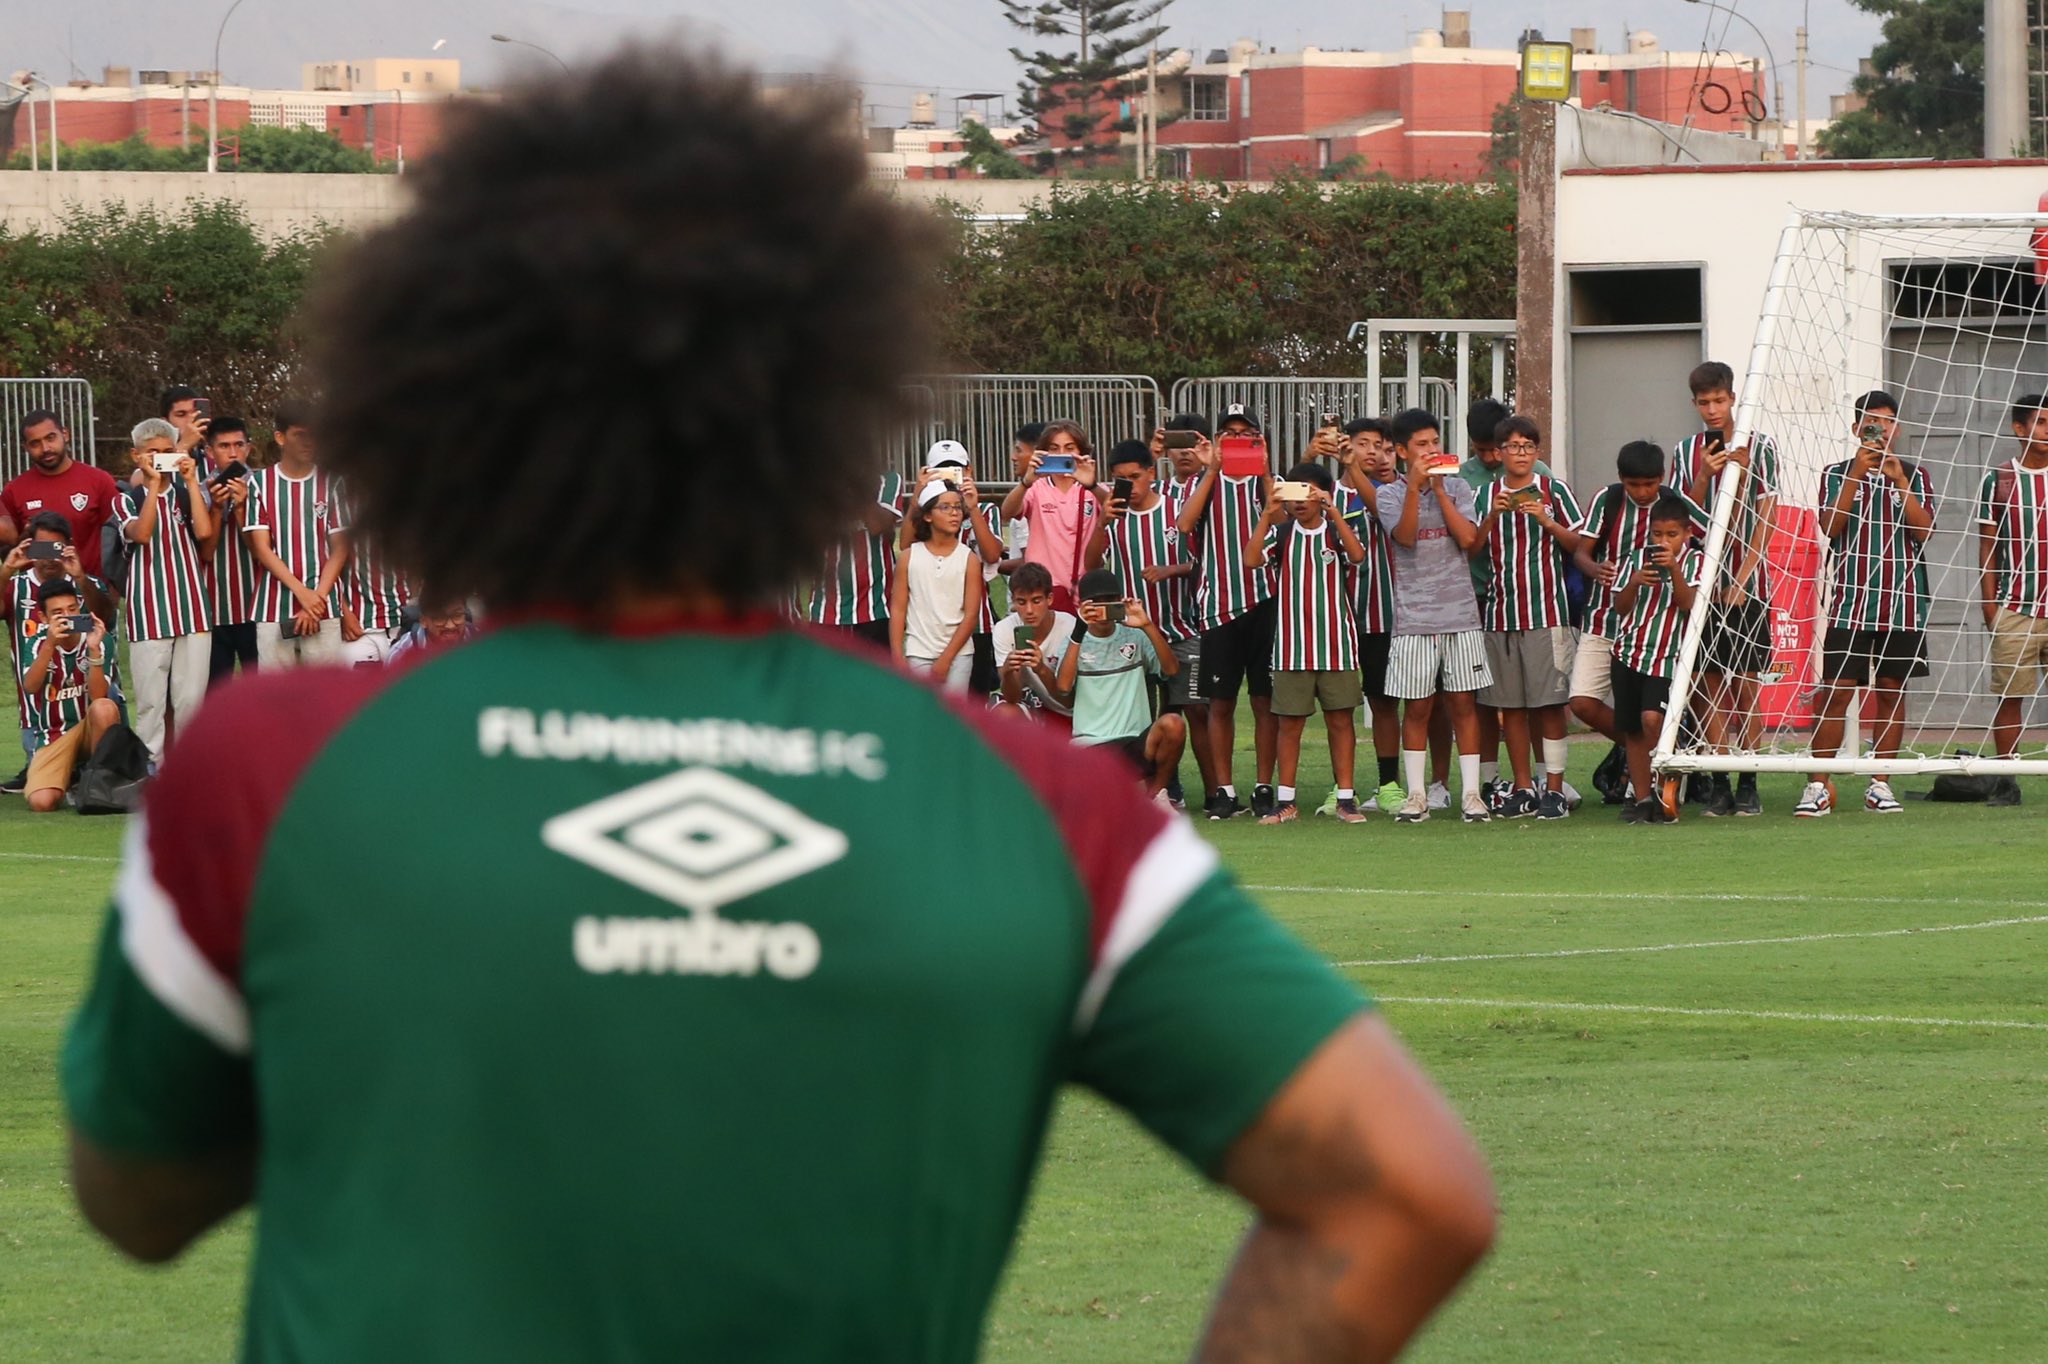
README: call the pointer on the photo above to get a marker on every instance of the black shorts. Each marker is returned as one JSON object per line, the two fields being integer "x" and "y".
{"x": 1853, "y": 656}
{"x": 1373, "y": 646}
{"x": 1238, "y": 653}
{"x": 1132, "y": 750}
{"x": 1636, "y": 694}
{"x": 875, "y": 632}
{"x": 1738, "y": 639}
{"x": 982, "y": 677}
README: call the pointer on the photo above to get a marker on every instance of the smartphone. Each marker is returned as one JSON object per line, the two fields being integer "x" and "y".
{"x": 167, "y": 461}
{"x": 1294, "y": 492}
{"x": 1183, "y": 440}
{"x": 232, "y": 472}
{"x": 1523, "y": 496}
{"x": 82, "y": 625}
{"x": 1333, "y": 419}
{"x": 1716, "y": 440}
{"x": 289, "y": 629}
{"x": 1872, "y": 434}
{"x": 1114, "y": 612}
{"x": 1056, "y": 464}
{"x": 1244, "y": 455}
{"x": 1120, "y": 491}
{"x": 1025, "y": 638}
{"x": 44, "y": 551}
{"x": 1444, "y": 463}
{"x": 205, "y": 406}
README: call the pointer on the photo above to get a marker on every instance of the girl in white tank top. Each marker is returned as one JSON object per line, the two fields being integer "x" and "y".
{"x": 936, "y": 600}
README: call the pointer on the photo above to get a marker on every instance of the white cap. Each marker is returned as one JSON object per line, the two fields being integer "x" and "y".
{"x": 946, "y": 452}
{"x": 932, "y": 492}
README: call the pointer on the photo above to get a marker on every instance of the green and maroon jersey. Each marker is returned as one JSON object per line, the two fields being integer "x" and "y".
{"x": 303, "y": 515}
{"x": 1880, "y": 578}
{"x": 1224, "y": 587}
{"x": 231, "y": 577}
{"x": 374, "y": 591}
{"x": 1147, "y": 539}
{"x": 1375, "y": 574}
{"x": 1647, "y": 638}
{"x": 655, "y": 1053}
{"x": 27, "y": 625}
{"x": 167, "y": 594}
{"x": 1525, "y": 579}
{"x": 1618, "y": 525}
{"x": 1761, "y": 485}
{"x": 853, "y": 587}
{"x": 2013, "y": 502}
{"x": 1315, "y": 624}
{"x": 60, "y": 705}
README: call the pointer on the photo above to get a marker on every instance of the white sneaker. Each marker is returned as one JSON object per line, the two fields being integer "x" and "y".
{"x": 1816, "y": 801}
{"x": 1879, "y": 800}
{"x": 1475, "y": 808}
{"x": 1413, "y": 810}
{"x": 1572, "y": 798}
{"x": 1439, "y": 796}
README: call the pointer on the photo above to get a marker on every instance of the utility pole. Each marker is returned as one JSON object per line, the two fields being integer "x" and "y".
{"x": 2005, "y": 78}
{"x": 1800, "y": 148}
{"x": 1150, "y": 144}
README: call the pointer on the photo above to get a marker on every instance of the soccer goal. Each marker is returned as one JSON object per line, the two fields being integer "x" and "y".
{"x": 1945, "y": 313}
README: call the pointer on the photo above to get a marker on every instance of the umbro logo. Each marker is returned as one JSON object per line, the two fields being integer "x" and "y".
{"x": 700, "y": 839}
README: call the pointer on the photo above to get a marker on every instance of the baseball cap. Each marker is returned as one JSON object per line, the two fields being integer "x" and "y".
{"x": 946, "y": 452}
{"x": 932, "y": 492}
{"x": 1238, "y": 412}
{"x": 1101, "y": 584}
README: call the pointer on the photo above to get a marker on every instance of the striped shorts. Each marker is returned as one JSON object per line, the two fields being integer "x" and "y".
{"x": 1423, "y": 665}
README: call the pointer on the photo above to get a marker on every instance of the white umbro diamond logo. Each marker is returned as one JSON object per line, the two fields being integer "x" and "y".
{"x": 699, "y": 839}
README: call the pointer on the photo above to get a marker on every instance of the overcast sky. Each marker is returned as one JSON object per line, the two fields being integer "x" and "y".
{"x": 897, "y": 46}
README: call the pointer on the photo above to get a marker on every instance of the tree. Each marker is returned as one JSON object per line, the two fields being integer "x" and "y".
{"x": 989, "y": 156}
{"x": 1504, "y": 151}
{"x": 1070, "y": 88}
{"x": 1926, "y": 90}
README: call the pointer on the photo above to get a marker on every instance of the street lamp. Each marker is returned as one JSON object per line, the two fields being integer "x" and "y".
{"x": 28, "y": 101}
{"x": 521, "y": 42}
{"x": 1546, "y": 70}
{"x": 213, "y": 95}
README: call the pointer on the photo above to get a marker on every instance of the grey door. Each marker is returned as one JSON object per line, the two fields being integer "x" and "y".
{"x": 1956, "y": 386}
{"x": 1627, "y": 384}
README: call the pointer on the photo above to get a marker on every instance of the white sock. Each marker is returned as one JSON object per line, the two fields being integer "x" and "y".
{"x": 1415, "y": 761}
{"x": 1555, "y": 752}
{"x": 1468, "y": 772}
{"x": 1489, "y": 771}
{"x": 1346, "y": 793}
{"x": 1286, "y": 794}
{"x": 1228, "y": 790}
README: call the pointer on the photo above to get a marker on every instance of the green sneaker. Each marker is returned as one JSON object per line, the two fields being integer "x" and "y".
{"x": 1390, "y": 797}
{"x": 1328, "y": 808}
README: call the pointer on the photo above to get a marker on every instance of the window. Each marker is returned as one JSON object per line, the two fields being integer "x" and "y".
{"x": 1208, "y": 100}
{"x": 1244, "y": 92}
{"x": 1964, "y": 288}
{"x": 407, "y": 77}
{"x": 1322, "y": 153}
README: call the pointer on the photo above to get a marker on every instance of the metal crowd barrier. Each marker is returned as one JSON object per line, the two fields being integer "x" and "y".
{"x": 70, "y": 399}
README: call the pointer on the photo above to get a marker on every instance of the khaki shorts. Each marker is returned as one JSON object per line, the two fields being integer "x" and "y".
{"x": 1299, "y": 691}
{"x": 56, "y": 760}
{"x": 1530, "y": 667}
{"x": 2019, "y": 651}
{"x": 1592, "y": 667}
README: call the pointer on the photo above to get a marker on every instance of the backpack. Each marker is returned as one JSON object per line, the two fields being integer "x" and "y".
{"x": 110, "y": 781}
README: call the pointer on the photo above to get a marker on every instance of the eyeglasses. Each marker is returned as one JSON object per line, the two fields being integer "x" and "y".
{"x": 1519, "y": 446}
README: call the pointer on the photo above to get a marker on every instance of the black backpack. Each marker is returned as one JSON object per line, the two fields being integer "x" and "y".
{"x": 110, "y": 782}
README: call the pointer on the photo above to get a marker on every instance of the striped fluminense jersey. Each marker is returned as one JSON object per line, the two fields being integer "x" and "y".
{"x": 60, "y": 705}
{"x": 853, "y": 586}
{"x": 1880, "y": 578}
{"x": 167, "y": 594}
{"x": 1525, "y": 583}
{"x": 1225, "y": 589}
{"x": 1140, "y": 540}
{"x": 1647, "y": 639}
{"x": 1619, "y": 526}
{"x": 231, "y": 577}
{"x": 1315, "y": 623}
{"x": 374, "y": 591}
{"x": 1761, "y": 484}
{"x": 1375, "y": 575}
{"x": 2013, "y": 501}
{"x": 302, "y": 516}
{"x": 27, "y": 619}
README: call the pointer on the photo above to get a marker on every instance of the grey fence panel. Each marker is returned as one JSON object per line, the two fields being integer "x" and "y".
{"x": 70, "y": 399}
{"x": 1287, "y": 410}
{"x": 983, "y": 412}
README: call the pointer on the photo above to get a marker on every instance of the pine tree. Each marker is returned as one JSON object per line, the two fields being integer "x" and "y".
{"x": 1071, "y": 89}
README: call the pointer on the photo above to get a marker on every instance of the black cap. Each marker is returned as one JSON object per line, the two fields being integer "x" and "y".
{"x": 1237, "y": 412}
{"x": 1101, "y": 584}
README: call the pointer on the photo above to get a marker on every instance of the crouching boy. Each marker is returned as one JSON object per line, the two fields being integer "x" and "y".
{"x": 1115, "y": 647}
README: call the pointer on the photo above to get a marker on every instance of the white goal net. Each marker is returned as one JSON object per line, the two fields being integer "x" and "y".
{"x": 1945, "y": 314}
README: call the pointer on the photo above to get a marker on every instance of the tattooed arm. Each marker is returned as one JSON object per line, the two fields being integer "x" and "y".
{"x": 1372, "y": 1204}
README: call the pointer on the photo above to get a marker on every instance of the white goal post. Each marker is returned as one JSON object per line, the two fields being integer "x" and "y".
{"x": 1948, "y": 314}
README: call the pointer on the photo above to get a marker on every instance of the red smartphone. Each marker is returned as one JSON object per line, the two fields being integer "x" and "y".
{"x": 1244, "y": 456}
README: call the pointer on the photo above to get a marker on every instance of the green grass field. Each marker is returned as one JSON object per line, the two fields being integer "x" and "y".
{"x": 1752, "y": 1090}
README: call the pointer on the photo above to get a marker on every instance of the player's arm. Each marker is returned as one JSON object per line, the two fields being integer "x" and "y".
{"x": 1069, "y": 674}
{"x": 1919, "y": 517}
{"x": 37, "y": 676}
{"x": 139, "y": 528}
{"x": 1354, "y": 548}
{"x": 338, "y": 551}
{"x": 1836, "y": 512}
{"x": 1463, "y": 533}
{"x": 1190, "y": 518}
{"x": 1987, "y": 564}
{"x": 258, "y": 540}
{"x": 899, "y": 604}
{"x": 1372, "y": 1202}
{"x": 1403, "y": 529}
{"x": 970, "y": 619}
{"x": 1165, "y": 663}
{"x": 152, "y": 1209}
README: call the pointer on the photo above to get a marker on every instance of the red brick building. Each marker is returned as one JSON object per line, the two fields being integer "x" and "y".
{"x": 1425, "y": 113}
{"x": 381, "y": 122}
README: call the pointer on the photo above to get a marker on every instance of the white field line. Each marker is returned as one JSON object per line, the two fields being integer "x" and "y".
{"x": 1784, "y": 1015}
{"x": 57, "y": 857}
{"x": 1658, "y": 897}
{"x": 1696, "y": 946}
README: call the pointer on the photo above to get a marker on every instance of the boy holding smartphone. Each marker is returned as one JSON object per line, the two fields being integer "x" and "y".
{"x": 65, "y": 689}
{"x": 1030, "y": 644}
{"x": 1653, "y": 595}
{"x": 1114, "y": 646}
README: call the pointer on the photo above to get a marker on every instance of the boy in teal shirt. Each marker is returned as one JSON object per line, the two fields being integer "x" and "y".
{"x": 1104, "y": 675}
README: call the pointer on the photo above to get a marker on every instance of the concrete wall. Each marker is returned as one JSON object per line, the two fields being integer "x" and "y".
{"x": 277, "y": 204}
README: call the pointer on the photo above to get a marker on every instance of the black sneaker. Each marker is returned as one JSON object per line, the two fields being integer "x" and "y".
{"x": 1176, "y": 797}
{"x": 1264, "y": 802}
{"x": 1746, "y": 802}
{"x": 1699, "y": 789}
{"x": 1520, "y": 801}
{"x": 2005, "y": 792}
{"x": 1553, "y": 805}
{"x": 1491, "y": 792}
{"x": 18, "y": 783}
{"x": 1632, "y": 811}
{"x": 1720, "y": 800}
{"x": 1222, "y": 805}
{"x": 1653, "y": 812}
